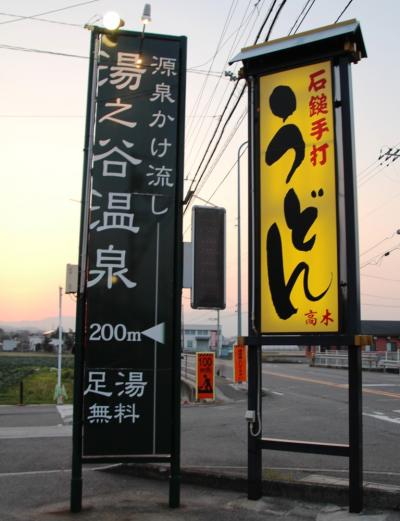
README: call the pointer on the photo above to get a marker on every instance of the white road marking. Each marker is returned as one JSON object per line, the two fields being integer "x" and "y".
{"x": 50, "y": 431}
{"x": 381, "y": 416}
{"x": 381, "y": 385}
{"x": 56, "y": 471}
{"x": 66, "y": 412}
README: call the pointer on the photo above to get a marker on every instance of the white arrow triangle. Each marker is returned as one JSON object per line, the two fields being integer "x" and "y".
{"x": 156, "y": 333}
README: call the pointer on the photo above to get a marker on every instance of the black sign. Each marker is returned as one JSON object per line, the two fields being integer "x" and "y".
{"x": 208, "y": 286}
{"x": 130, "y": 288}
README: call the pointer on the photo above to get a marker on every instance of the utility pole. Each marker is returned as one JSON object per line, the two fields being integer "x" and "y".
{"x": 218, "y": 335}
{"x": 392, "y": 153}
{"x": 239, "y": 253}
{"x": 59, "y": 391}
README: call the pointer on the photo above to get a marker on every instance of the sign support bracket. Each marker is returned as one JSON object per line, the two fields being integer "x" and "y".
{"x": 353, "y": 450}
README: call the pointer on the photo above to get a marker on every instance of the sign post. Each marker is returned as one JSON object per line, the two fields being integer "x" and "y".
{"x": 127, "y": 381}
{"x": 304, "y": 274}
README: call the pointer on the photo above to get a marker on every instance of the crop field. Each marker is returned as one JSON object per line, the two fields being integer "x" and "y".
{"x": 35, "y": 375}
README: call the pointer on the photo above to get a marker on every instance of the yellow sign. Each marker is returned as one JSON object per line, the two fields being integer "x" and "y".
{"x": 298, "y": 216}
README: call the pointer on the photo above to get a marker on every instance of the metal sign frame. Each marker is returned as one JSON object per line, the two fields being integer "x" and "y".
{"x": 341, "y": 44}
{"x": 172, "y": 456}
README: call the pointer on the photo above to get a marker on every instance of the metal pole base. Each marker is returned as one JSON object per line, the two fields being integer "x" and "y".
{"x": 76, "y": 495}
{"x": 174, "y": 491}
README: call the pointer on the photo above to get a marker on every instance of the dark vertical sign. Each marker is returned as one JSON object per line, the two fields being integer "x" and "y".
{"x": 131, "y": 285}
{"x": 208, "y": 286}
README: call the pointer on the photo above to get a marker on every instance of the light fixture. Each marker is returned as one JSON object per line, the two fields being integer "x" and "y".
{"x": 146, "y": 16}
{"x": 112, "y": 21}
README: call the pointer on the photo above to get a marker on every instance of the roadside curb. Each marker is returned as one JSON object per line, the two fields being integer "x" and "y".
{"x": 374, "y": 497}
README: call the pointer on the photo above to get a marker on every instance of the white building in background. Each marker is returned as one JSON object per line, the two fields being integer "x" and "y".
{"x": 10, "y": 344}
{"x": 198, "y": 337}
{"x": 35, "y": 342}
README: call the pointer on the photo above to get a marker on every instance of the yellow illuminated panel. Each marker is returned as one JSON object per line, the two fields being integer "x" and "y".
{"x": 299, "y": 259}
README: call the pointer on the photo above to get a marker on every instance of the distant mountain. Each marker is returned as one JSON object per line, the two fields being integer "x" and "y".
{"x": 44, "y": 324}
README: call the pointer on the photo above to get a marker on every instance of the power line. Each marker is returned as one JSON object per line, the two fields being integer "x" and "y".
{"x": 304, "y": 17}
{"x": 342, "y": 13}
{"x": 191, "y": 192}
{"x": 227, "y": 21}
{"x": 208, "y": 104}
{"x": 40, "y": 51}
{"x": 379, "y": 305}
{"x": 278, "y": 12}
{"x": 377, "y": 259}
{"x": 379, "y": 277}
{"x": 68, "y": 55}
{"x": 225, "y": 177}
{"x": 384, "y": 204}
{"x": 224, "y": 147}
{"x": 379, "y": 296}
{"x": 30, "y": 17}
{"x": 298, "y": 18}
{"x": 37, "y": 19}
{"x": 245, "y": 23}
{"x": 380, "y": 242}
{"x": 44, "y": 116}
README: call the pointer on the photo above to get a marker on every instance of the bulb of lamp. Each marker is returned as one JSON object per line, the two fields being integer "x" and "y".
{"x": 111, "y": 20}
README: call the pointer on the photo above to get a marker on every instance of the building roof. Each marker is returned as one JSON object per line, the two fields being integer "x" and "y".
{"x": 380, "y": 327}
{"x": 330, "y": 34}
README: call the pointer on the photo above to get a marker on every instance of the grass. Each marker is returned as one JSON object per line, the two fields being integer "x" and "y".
{"x": 39, "y": 376}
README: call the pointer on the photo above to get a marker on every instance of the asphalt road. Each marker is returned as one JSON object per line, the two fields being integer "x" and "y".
{"x": 299, "y": 403}
{"x": 306, "y": 403}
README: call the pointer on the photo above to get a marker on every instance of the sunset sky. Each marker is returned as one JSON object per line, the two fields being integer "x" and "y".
{"x": 44, "y": 64}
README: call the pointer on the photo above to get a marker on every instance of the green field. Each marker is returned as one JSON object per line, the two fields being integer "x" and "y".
{"x": 38, "y": 373}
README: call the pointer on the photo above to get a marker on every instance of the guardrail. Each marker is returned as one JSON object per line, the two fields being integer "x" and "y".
{"x": 370, "y": 361}
{"x": 391, "y": 364}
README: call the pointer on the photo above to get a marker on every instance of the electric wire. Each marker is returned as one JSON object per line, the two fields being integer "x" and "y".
{"x": 278, "y": 12}
{"x": 37, "y": 19}
{"x": 22, "y": 18}
{"x": 200, "y": 95}
{"x": 377, "y": 259}
{"x": 222, "y": 151}
{"x": 208, "y": 105}
{"x": 40, "y": 51}
{"x": 225, "y": 176}
{"x": 224, "y": 111}
{"x": 244, "y": 23}
{"x": 190, "y": 191}
{"x": 379, "y": 277}
{"x": 304, "y": 17}
{"x": 342, "y": 13}
{"x": 298, "y": 18}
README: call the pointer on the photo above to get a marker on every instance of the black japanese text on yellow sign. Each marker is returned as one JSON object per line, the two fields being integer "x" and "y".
{"x": 298, "y": 215}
